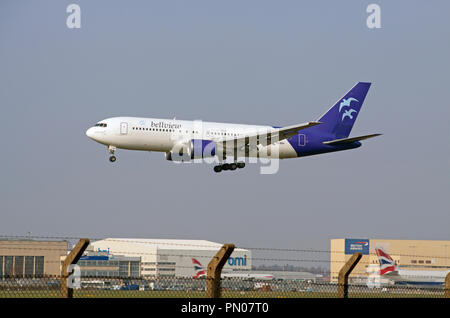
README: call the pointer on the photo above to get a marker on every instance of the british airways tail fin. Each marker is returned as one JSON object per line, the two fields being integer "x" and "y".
{"x": 339, "y": 119}
{"x": 198, "y": 268}
{"x": 387, "y": 264}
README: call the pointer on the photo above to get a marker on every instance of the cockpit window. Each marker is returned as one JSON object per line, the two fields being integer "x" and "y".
{"x": 100, "y": 125}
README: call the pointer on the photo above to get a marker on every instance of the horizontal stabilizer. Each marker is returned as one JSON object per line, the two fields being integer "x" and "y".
{"x": 348, "y": 140}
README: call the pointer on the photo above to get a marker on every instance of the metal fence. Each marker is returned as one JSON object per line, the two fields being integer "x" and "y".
{"x": 19, "y": 281}
{"x": 107, "y": 287}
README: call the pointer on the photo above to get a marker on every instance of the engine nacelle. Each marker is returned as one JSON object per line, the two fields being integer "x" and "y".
{"x": 180, "y": 152}
{"x": 202, "y": 148}
{"x": 193, "y": 149}
{"x": 169, "y": 156}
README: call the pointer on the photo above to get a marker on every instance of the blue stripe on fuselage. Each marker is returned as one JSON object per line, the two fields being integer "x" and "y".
{"x": 418, "y": 283}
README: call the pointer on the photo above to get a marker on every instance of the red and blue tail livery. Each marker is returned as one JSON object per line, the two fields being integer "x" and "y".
{"x": 387, "y": 264}
{"x": 199, "y": 271}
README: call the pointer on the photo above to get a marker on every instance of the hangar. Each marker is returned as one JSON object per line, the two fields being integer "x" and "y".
{"x": 30, "y": 257}
{"x": 414, "y": 255}
{"x": 171, "y": 257}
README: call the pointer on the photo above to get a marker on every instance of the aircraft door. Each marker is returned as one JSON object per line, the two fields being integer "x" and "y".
{"x": 123, "y": 128}
{"x": 301, "y": 140}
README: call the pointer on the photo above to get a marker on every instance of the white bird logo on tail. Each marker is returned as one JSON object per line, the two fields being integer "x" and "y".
{"x": 346, "y": 102}
{"x": 348, "y": 113}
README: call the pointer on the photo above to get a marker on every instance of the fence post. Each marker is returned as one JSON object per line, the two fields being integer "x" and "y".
{"x": 72, "y": 258}
{"x": 345, "y": 272}
{"x": 215, "y": 269}
{"x": 447, "y": 286}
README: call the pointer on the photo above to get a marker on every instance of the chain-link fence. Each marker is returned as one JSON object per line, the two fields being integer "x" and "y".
{"x": 34, "y": 267}
{"x": 107, "y": 287}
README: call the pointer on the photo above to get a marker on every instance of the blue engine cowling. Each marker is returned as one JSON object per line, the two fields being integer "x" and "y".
{"x": 201, "y": 148}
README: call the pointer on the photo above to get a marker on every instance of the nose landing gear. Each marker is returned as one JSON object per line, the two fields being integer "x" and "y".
{"x": 111, "y": 149}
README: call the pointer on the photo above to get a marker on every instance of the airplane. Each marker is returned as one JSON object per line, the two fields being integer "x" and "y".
{"x": 183, "y": 140}
{"x": 200, "y": 272}
{"x": 390, "y": 270}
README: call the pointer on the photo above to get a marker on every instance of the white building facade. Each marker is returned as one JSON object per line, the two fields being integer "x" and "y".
{"x": 173, "y": 258}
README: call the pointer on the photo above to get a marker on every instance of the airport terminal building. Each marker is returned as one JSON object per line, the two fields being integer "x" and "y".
{"x": 172, "y": 258}
{"x": 413, "y": 255}
{"x": 101, "y": 264}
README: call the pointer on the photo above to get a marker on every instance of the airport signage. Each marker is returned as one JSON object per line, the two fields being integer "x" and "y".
{"x": 237, "y": 261}
{"x": 103, "y": 251}
{"x": 357, "y": 246}
{"x": 94, "y": 258}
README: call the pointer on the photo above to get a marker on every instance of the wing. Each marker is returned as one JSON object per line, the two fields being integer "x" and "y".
{"x": 268, "y": 137}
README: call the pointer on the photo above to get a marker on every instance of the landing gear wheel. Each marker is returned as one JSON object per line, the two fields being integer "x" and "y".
{"x": 241, "y": 165}
{"x": 217, "y": 168}
{"x": 111, "y": 150}
{"x": 233, "y": 166}
{"x": 225, "y": 166}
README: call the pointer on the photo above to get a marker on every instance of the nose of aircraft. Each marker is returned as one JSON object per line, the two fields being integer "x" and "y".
{"x": 90, "y": 132}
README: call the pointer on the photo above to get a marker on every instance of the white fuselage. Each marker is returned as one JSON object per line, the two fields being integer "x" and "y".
{"x": 153, "y": 134}
{"x": 245, "y": 275}
{"x": 406, "y": 277}
{"x": 418, "y": 276}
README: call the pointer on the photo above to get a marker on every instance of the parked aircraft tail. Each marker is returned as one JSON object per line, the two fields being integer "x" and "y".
{"x": 387, "y": 264}
{"x": 199, "y": 271}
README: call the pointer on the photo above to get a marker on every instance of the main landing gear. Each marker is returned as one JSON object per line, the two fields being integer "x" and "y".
{"x": 229, "y": 166}
{"x": 111, "y": 149}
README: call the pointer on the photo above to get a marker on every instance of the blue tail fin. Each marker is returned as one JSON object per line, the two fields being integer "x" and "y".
{"x": 339, "y": 119}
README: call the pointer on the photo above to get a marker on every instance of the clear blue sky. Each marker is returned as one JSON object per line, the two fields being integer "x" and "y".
{"x": 255, "y": 62}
